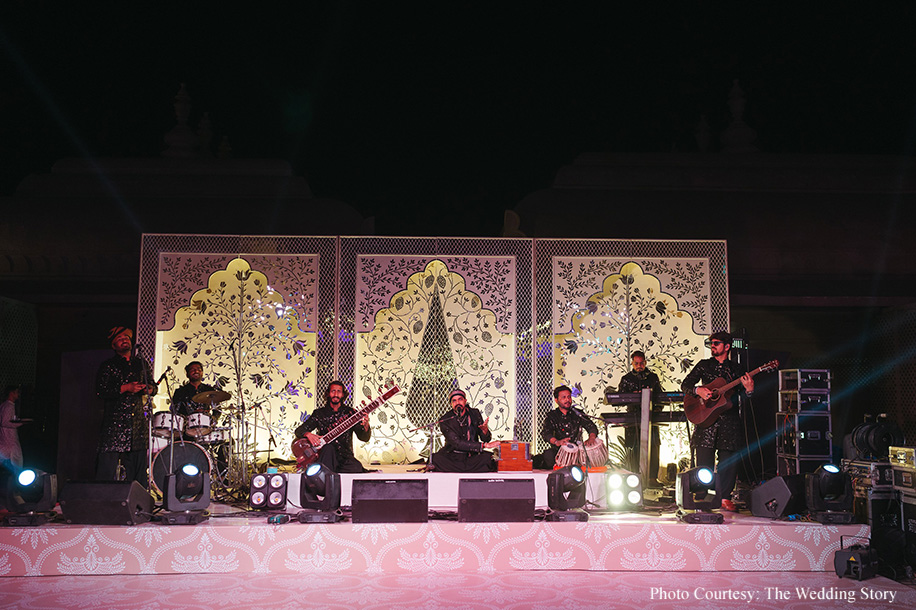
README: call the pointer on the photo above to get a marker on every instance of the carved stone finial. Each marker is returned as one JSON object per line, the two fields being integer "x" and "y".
{"x": 181, "y": 141}
{"x": 738, "y": 137}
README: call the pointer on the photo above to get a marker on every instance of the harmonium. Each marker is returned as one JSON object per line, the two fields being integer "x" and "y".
{"x": 514, "y": 457}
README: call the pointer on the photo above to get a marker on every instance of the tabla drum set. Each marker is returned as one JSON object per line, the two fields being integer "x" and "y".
{"x": 199, "y": 439}
{"x": 590, "y": 454}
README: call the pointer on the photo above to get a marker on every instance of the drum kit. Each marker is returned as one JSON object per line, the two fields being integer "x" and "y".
{"x": 199, "y": 439}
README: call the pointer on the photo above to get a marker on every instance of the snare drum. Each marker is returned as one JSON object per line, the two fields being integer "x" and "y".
{"x": 166, "y": 424}
{"x": 217, "y": 435}
{"x": 198, "y": 424}
{"x": 568, "y": 455}
{"x": 184, "y": 453}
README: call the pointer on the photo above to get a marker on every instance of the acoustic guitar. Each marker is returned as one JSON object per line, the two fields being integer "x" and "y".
{"x": 703, "y": 413}
{"x": 306, "y": 453}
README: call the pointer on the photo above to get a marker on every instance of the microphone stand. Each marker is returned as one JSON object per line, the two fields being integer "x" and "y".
{"x": 271, "y": 442}
{"x": 432, "y": 440}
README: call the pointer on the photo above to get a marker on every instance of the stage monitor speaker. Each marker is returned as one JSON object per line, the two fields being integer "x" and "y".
{"x": 390, "y": 501}
{"x": 779, "y": 497}
{"x": 495, "y": 500}
{"x": 105, "y": 503}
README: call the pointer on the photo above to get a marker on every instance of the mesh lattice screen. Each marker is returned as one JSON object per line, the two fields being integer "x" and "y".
{"x": 650, "y": 256}
{"x": 431, "y": 313}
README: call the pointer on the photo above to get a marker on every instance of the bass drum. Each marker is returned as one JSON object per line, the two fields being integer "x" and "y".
{"x": 184, "y": 453}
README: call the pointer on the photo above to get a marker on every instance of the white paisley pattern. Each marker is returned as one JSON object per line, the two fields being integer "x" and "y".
{"x": 91, "y": 563}
{"x": 485, "y": 530}
{"x": 429, "y": 559}
{"x": 206, "y": 561}
{"x": 319, "y": 560}
{"x": 542, "y": 559}
{"x": 654, "y": 559}
{"x": 762, "y": 560}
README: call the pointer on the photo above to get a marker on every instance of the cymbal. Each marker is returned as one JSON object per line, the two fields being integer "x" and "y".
{"x": 212, "y": 397}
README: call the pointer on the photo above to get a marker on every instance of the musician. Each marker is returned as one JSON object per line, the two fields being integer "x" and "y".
{"x": 561, "y": 426}
{"x": 338, "y": 454}
{"x": 10, "y": 449}
{"x": 182, "y": 399}
{"x": 467, "y": 435}
{"x": 636, "y": 380}
{"x": 124, "y": 383}
{"x": 724, "y": 436}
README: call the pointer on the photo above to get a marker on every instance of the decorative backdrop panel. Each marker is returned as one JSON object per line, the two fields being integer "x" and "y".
{"x": 603, "y": 299}
{"x": 432, "y": 326}
{"x": 425, "y": 312}
{"x": 429, "y": 313}
{"x": 252, "y": 319}
{"x": 251, "y": 332}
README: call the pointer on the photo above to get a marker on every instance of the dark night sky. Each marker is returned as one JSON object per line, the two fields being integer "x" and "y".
{"x": 425, "y": 107}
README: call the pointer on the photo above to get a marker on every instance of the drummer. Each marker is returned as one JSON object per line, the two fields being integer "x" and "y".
{"x": 182, "y": 400}
{"x": 561, "y": 426}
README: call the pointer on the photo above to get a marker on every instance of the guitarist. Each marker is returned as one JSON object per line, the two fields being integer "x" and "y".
{"x": 338, "y": 454}
{"x": 725, "y": 434}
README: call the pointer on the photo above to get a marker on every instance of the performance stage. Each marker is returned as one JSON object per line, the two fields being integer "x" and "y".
{"x": 234, "y": 541}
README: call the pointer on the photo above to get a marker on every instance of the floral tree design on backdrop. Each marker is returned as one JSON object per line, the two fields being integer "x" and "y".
{"x": 629, "y": 313}
{"x": 432, "y": 336}
{"x": 251, "y": 345}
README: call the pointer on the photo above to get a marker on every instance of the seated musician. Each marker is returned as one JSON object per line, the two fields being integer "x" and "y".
{"x": 181, "y": 400}
{"x": 635, "y": 381}
{"x": 338, "y": 454}
{"x": 467, "y": 435}
{"x": 561, "y": 426}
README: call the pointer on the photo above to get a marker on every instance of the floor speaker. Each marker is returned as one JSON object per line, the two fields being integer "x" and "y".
{"x": 390, "y": 501}
{"x": 779, "y": 497}
{"x": 105, "y": 502}
{"x": 495, "y": 500}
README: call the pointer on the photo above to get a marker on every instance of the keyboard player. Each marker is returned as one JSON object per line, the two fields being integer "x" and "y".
{"x": 634, "y": 381}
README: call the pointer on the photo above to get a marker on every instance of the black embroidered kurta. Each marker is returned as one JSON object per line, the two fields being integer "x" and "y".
{"x": 324, "y": 419}
{"x": 182, "y": 398}
{"x": 124, "y": 423}
{"x": 727, "y": 431}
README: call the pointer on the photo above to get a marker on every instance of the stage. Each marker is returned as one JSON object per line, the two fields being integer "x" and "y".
{"x": 241, "y": 541}
{"x": 646, "y": 560}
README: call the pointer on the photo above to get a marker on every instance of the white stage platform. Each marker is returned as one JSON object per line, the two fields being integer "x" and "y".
{"x": 443, "y": 486}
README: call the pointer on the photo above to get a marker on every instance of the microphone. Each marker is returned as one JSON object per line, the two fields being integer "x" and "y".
{"x": 164, "y": 373}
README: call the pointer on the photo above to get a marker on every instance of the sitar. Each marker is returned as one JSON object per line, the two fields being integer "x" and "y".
{"x": 703, "y": 413}
{"x": 306, "y": 452}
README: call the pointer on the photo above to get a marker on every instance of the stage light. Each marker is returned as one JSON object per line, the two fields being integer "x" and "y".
{"x": 624, "y": 490}
{"x": 565, "y": 493}
{"x": 268, "y": 491}
{"x": 29, "y": 495}
{"x": 692, "y": 492}
{"x": 829, "y": 496}
{"x": 319, "y": 495}
{"x": 187, "y": 495}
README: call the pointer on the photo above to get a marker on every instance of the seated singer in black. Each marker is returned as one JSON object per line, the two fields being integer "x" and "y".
{"x": 635, "y": 381}
{"x": 338, "y": 454}
{"x": 466, "y": 436}
{"x": 561, "y": 426}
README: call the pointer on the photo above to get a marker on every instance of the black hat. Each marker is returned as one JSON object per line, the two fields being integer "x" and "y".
{"x": 722, "y": 336}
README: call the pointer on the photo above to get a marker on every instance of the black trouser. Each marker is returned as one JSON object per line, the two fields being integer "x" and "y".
{"x": 133, "y": 463}
{"x": 726, "y": 473}
{"x": 446, "y": 460}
